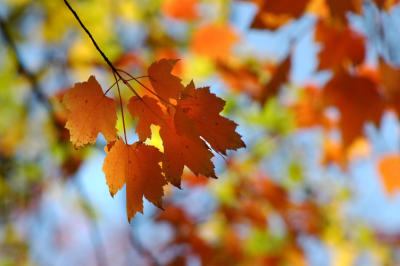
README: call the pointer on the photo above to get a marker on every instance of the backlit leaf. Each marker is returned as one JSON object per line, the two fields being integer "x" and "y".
{"x": 203, "y": 108}
{"x": 184, "y": 149}
{"x": 138, "y": 166}
{"x": 90, "y": 112}
{"x": 164, "y": 83}
{"x": 148, "y": 112}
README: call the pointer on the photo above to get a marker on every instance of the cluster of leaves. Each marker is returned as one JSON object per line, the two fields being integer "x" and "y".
{"x": 187, "y": 117}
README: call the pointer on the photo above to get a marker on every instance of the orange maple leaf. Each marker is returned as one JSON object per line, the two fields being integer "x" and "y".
{"x": 137, "y": 165}
{"x": 203, "y": 108}
{"x": 90, "y": 112}
{"x": 183, "y": 149}
{"x": 189, "y": 118}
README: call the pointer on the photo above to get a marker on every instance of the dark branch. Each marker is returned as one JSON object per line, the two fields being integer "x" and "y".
{"x": 93, "y": 41}
{"x": 31, "y": 77}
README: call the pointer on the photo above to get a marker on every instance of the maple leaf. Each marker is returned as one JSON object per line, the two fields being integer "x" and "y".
{"x": 389, "y": 168}
{"x": 358, "y": 100}
{"x": 203, "y": 108}
{"x": 148, "y": 111}
{"x": 90, "y": 112}
{"x": 339, "y": 45}
{"x": 214, "y": 41}
{"x": 137, "y": 165}
{"x": 183, "y": 149}
{"x": 190, "y": 118}
{"x": 164, "y": 83}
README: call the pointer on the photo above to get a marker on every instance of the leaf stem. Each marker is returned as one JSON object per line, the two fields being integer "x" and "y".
{"x": 145, "y": 87}
{"x": 114, "y": 70}
{"x": 111, "y": 86}
{"x": 122, "y": 108}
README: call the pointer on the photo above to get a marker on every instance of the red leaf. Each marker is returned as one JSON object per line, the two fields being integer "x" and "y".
{"x": 164, "y": 83}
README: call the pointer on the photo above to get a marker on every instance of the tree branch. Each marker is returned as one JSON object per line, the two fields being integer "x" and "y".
{"x": 94, "y": 41}
{"x": 21, "y": 67}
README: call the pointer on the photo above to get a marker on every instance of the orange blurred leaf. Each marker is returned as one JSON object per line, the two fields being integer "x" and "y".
{"x": 389, "y": 168}
{"x": 358, "y": 101}
{"x": 181, "y": 9}
{"x": 214, "y": 41}
{"x": 339, "y": 45}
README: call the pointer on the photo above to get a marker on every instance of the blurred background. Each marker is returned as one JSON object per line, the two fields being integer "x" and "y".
{"x": 313, "y": 85}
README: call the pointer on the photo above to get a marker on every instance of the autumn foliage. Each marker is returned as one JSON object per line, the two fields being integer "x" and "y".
{"x": 245, "y": 132}
{"x": 187, "y": 118}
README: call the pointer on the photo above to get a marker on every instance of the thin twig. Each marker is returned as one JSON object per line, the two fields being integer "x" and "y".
{"x": 141, "y": 249}
{"x": 144, "y": 86}
{"x": 114, "y": 70}
{"x": 122, "y": 108}
{"x": 97, "y": 46}
{"x": 109, "y": 88}
{"x": 31, "y": 77}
